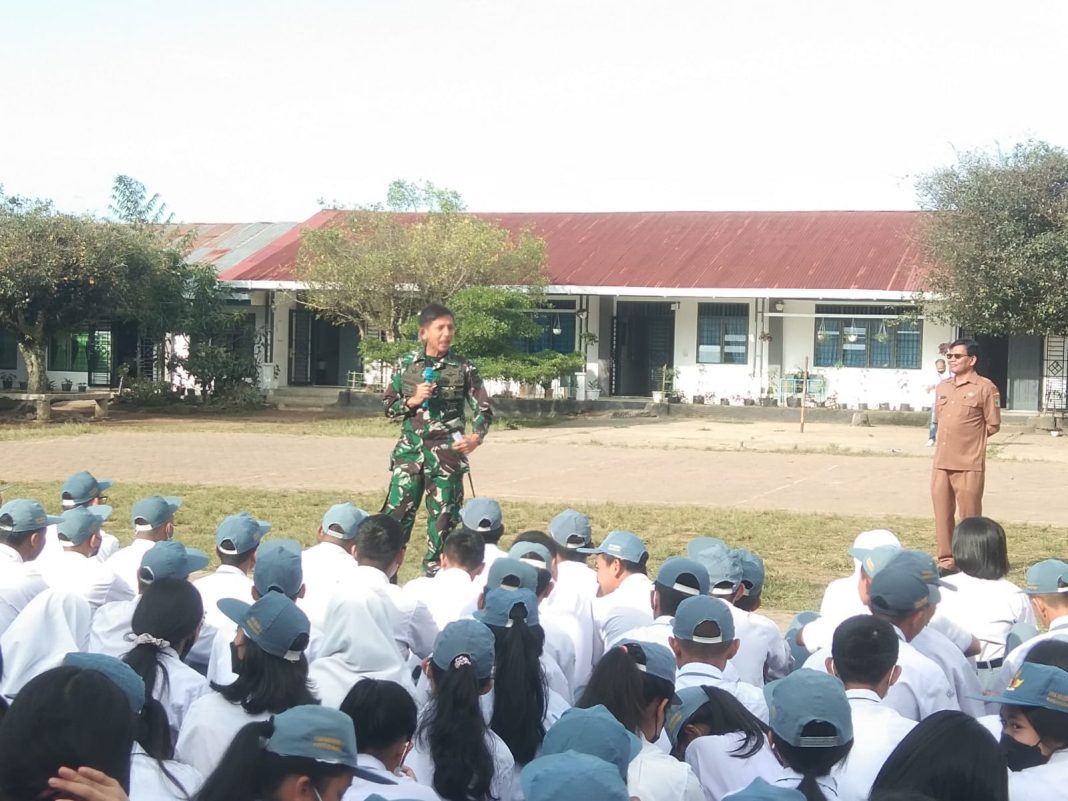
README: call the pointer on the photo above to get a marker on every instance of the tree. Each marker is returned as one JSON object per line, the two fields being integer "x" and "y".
{"x": 378, "y": 265}
{"x": 997, "y": 241}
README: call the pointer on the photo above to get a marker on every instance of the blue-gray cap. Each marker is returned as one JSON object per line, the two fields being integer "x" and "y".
{"x": 621, "y": 545}
{"x": 170, "y": 559}
{"x": 698, "y": 544}
{"x": 21, "y": 515}
{"x": 504, "y": 606}
{"x": 81, "y": 488}
{"x": 594, "y": 731}
{"x": 240, "y": 533}
{"x": 155, "y": 510}
{"x": 897, "y": 591}
{"x": 659, "y": 661}
{"x": 693, "y": 613}
{"x": 1035, "y": 685}
{"x": 1047, "y": 577}
{"x": 872, "y": 560}
{"x": 571, "y": 776}
{"x": 121, "y": 675}
{"x": 279, "y": 568}
{"x": 342, "y": 519}
{"x": 686, "y": 702}
{"x": 760, "y": 790}
{"x": 532, "y": 553}
{"x": 571, "y": 529}
{"x": 314, "y": 732}
{"x": 273, "y": 622}
{"x": 753, "y": 573}
{"x": 80, "y": 523}
{"x": 465, "y": 642}
{"x": 925, "y": 567}
{"x": 723, "y": 565}
{"x": 482, "y": 515}
{"x": 806, "y": 696}
{"x": 511, "y": 574}
{"x": 683, "y": 575}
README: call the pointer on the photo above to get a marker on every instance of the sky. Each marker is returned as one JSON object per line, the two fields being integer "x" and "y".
{"x": 240, "y": 111}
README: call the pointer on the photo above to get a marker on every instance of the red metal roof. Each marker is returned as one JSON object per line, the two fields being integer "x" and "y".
{"x": 869, "y": 250}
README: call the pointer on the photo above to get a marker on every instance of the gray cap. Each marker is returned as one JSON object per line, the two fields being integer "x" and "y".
{"x": 723, "y": 565}
{"x": 501, "y": 604}
{"x": 571, "y": 529}
{"x": 532, "y": 553}
{"x": 753, "y": 572}
{"x": 465, "y": 642}
{"x": 760, "y": 790}
{"x": 659, "y": 661}
{"x": 342, "y": 519}
{"x": 170, "y": 559}
{"x": 274, "y": 623}
{"x": 806, "y": 696}
{"x": 80, "y": 523}
{"x": 1047, "y": 577}
{"x": 279, "y": 568}
{"x": 623, "y": 545}
{"x": 897, "y": 591}
{"x": 482, "y": 515}
{"x": 695, "y": 612}
{"x": 122, "y": 675}
{"x": 21, "y": 515}
{"x": 686, "y": 702}
{"x": 594, "y": 731}
{"x": 683, "y": 575}
{"x": 314, "y": 732}
{"x": 240, "y": 533}
{"x": 571, "y": 776}
{"x": 81, "y": 488}
{"x": 511, "y": 574}
{"x": 154, "y": 511}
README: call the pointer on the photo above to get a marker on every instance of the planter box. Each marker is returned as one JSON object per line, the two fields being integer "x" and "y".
{"x": 793, "y": 403}
{"x": 724, "y": 401}
{"x": 748, "y": 402}
{"x": 698, "y": 399}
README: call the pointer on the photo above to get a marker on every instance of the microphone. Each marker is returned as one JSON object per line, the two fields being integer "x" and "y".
{"x": 428, "y": 376}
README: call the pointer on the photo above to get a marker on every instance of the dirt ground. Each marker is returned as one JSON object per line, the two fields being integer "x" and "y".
{"x": 748, "y": 465}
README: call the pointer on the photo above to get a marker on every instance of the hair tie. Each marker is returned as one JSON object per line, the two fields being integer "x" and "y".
{"x": 148, "y": 639}
{"x": 461, "y": 661}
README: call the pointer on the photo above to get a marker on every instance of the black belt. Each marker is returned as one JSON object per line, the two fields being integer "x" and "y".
{"x": 991, "y": 665}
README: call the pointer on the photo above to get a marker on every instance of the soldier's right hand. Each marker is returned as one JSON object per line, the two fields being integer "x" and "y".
{"x": 422, "y": 392}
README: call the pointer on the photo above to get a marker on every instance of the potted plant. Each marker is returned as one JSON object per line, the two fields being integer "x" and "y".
{"x": 82, "y": 387}
{"x": 67, "y": 385}
{"x": 593, "y": 389}
{"x": 7, "y": 380}
{"x": 22, "y": 384}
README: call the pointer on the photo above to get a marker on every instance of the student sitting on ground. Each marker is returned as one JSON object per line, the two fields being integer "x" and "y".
{"x": 574, "y": 589}
{"x": 153, "y": 522}
{"x": 623, "y": 599}
{"x": 452, "y": 592}
{"x": 1047, "y": 586}
{"x": 678, "y": 579}
{"x": 484, "y": 516}
{"x": 329, "y": 563}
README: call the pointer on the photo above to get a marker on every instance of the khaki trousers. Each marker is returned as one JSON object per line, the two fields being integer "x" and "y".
{"x": 952, "y": 491}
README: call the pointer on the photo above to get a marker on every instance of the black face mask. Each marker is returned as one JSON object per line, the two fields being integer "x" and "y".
{"x": 236, "y": 662}
{"x": 1019, "y": 756}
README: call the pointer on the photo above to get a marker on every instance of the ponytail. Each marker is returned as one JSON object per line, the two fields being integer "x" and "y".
{"x": 455, "y": 732}
{"x": 623, "y": 688}
{"x": 167, "y": 616}
{"x": 812, "y": 762}
{"x": 153, "y": 734}
{"x": 519, "y": 696}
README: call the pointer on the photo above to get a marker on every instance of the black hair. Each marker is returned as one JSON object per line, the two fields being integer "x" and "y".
{"x": 64, "y": 717}
{"x": 812, "y": 762}
{"x": 490, "y": 537}
{"x": 432, "y": 312}
{"x": 864, "y": 650}
{"x": 722, "y": 713}
{"x": 465, "y": 548}
{"x": 170, "y": 610}
{"x": 565, "y": 554}
{"x": 520, "y": 698}
{"x": 153, "y": 733}
{"x": 948, "y": 755}
{"x": 630, "y": 567}
{"x": 268, "y": 683}
{"x": 379, "y": 538}
{"x": 901, "y": 795}
{"x": 16, "y": 539}
{"x": 748, "y": 602}
{"x": 979, "y": 548}
{"x": 1052, "y": 726}
{"x": 248, "y": 772}
{"x": 670, "y": 598}
{"x": 704, "y": 651}
{"x": 624, "y": 689}
{"x": 233, "y": 559}
{"x": 545, "y": 575}
{"x": 454, "y": 732}
{"x": 968, "y": 344}
{"x": 382, "y": 712}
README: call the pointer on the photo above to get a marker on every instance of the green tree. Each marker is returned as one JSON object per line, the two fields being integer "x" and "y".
{"x": 997, "y": 241}
{"x": 376, "y": 266}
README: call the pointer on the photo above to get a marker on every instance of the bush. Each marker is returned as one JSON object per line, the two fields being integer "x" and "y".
{"x": 147, "y": 392}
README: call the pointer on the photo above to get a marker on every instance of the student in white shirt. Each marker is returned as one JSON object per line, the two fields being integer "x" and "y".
{"x": 594, "y": 731}
{"x": 679, "y": 578}
{"x": 864, "y": 657}
{"x": 572, "y": 777}
{"x": 153, "y": 521}
{"x": 756, "y": 626}
{"x": 79, "y": 491}
{"x": 1047, "y": 587}
{"x": 330, "y": 563}
{"x": 624, "y": 597}
{"x": 451, "y": 593}
{"x": 385, "y": 716}
{"x": 484, "y": 516}
{"x": 272, "y": 676}
{"x": 574, "y": 589}
{"x": 22, "y": 538}
{"x": 75, "y": 569}
{"x": 636, "y": 683}
{"x": 453, "y": 750}
{"x": 237, "y": 538}
{"x": 52, "y": 625}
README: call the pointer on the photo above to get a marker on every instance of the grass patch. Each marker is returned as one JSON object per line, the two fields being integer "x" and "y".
{"x": 23, "y": 431}
{"x": 802, "y": 551}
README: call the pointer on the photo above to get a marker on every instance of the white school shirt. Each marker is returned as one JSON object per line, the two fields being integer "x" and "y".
{"x": 986, "y": 608}
{"x": 760, "y": 646}
{"x": 148, "y": 782}
{"x": 719, "y": 772}
{"x": 109, "y": 545}
{"x": 325, "y": 566}
{"x": 505, "y": 783}
{"x": 491, "y": 554}
{"x": 559, "y": 646}
{"x": 226, "y": 582}
{"x": 656, "y": 776}
{"x": 629, "y": 606}
{"x": 210, "y": 725}
{"x": 791, "y": 778}
{"x": 403, "y": 788}
{"x": 960, "y": 672}
{"x": 127, "y": 561}
{"x": 1058, "y": 630}
{"x": 570, "y": 603}
{"x": 111, "y": 631}
{"x": 81, "y": 575}
{"x": 877, "y": 730}
{"x": 20, "y": 583}
{"x": 183, "y": 686}
{"x": 414, "y": 626}
{"x": 449, "y": 595}
{"x": 699, "y": 674}
{"x": 1047, "y": 782}
{"x": 657, "y": 632}
{"x": 51, "y": 626}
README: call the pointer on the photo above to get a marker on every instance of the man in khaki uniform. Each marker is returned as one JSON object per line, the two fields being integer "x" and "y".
{"x": 967, "y": 411}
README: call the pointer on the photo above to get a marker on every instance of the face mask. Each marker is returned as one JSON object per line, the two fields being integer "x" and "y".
{"x": 1019, "y": 756}
{"x": 236, "y": 662}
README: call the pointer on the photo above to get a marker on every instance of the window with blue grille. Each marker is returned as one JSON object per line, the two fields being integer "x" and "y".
{"x": 723, "y": 333}
{"x": 549, "y": 321}
{"x": 892, "y": 342}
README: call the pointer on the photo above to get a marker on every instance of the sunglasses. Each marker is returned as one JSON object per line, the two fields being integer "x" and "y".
{"x": 956, "y": 355}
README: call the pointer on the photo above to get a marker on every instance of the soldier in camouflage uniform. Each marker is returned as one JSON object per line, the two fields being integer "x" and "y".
{"x": 429, "y": 392}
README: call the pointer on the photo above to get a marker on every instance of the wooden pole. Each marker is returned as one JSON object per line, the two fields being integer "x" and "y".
{"x": 804, "y": 393}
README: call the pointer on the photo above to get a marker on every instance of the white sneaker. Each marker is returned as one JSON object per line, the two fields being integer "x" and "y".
{"x": 930, "y": 443}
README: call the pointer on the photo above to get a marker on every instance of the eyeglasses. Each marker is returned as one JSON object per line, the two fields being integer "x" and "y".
{"x": 956, "y": 355}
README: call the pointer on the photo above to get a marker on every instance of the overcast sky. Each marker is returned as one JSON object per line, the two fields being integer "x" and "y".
{"x": 239, "y": 111}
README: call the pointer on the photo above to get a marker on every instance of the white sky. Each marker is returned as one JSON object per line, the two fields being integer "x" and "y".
{"x": 237, "y": 111}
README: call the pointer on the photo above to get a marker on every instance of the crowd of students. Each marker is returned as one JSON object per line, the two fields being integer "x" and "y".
{"x": 556, "y": 668}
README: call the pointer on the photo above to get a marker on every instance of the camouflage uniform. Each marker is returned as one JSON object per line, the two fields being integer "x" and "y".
{"x": 424, "y": 458}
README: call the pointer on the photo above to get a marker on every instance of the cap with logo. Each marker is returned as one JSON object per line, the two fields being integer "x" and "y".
{"x": 511, "y": 574}
{"x": 82, "y": 488}
{"x": 659, "y": 661}
{"x": 278, "y": 568}
{"x": 897, "y": 591}
{"x": 500, "y": 607}
{"x": 78, "y": 524}
{"x": 273, "y": 622}
{"x": 686, "y": 702}
{"x": 693, "y": 613}
{"x": 122, "y": 675}
{"x": 155, "y": 510}
{"x": 723, "y": 565}
{"x": 314, "y": 732}
{"x": 571, "y": 776}
{"x": 924, "y": 566}
{"x": 170, "y": 559}
{"x": 594, "y": 731}
{"x": 465, "y": 642}
{"x": 240, "y": 533}
{"x": 623, "y": 545}
{"x": 532, "y": 553}
{"x": 753, "y": 572}
{"x": 1047, "y": 577}
{"x": 760, "y": 790}
{"x": 872, "y": 560}
{"x": 683, "y": 575}
{"x": 804, "y": 697}
{"x": 342, "y": 519}
{"x": 482, "y": 515}
{"x": 1035, "y": 685}
{"x": 571, "y": 529}
{"x": 20, "y": 515}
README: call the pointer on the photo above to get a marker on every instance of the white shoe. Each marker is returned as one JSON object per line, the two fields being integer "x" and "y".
{"x": 930, "y": 443}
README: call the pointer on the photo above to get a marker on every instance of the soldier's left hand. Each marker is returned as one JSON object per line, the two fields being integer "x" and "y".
{"x": 468, "y": 444}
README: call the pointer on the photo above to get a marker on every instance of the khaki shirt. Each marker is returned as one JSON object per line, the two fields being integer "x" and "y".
{"x": 967, "y": 410}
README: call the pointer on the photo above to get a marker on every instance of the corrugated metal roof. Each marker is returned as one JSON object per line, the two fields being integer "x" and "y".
{"x": 223, "y": 245}
{"x": 869, "y": 250}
